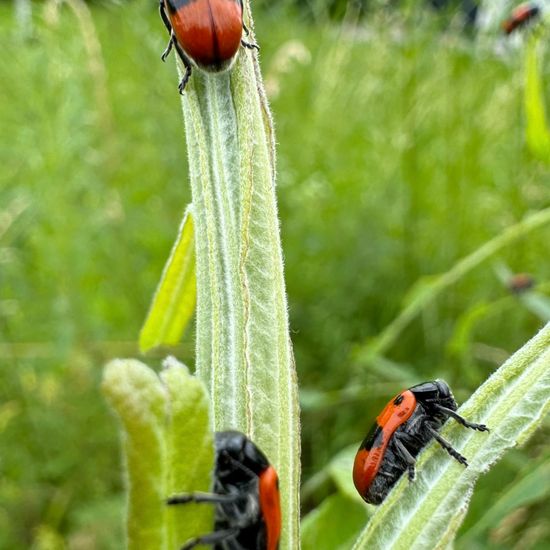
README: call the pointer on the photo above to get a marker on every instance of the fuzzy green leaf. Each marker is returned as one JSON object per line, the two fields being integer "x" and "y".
{"x": 532, "y": 487}
{"x": 174, "y": 300}
{"x": 135, "y": 393}
{"x": 167, "y": 448}
{"x": 190, "y": 450}
{"x": 427, "y": 512}
{"x": 244, "y": 354}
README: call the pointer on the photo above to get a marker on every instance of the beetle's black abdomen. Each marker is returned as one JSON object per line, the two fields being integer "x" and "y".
{"x": 414, "y": 437}
{"x": 238, "y": 464}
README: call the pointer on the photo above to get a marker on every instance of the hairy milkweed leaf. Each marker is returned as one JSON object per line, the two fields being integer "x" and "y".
{"x": 136, "y": 395}
{"x": 174, "y": 300}
{"x": 244, "y": 353}
{"x": 532, "y": 486}
{"x": 190, "y": 450}
{"x": 428, "y": 512}
{"x": 167, "y": 442}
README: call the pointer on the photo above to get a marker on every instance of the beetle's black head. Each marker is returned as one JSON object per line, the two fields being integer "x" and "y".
{"x": 237, "y": 459}
{"x": 437, "y": 391}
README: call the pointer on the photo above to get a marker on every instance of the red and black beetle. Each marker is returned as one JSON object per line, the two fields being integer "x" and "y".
{"x": 520, "y": 283}
{"x": 405, "y": 426}
{"x": 521, "y": 16}
{"x": 246, "y": 496}
{"x": 206, "y": 32}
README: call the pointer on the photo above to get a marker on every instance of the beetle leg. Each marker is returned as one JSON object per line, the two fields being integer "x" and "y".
{"x": 213, "y": 498}
{"x": 164, "y": 17}
{"x": 247, "y": 32}
{"x": 405, "y": 455}
{"x": 446, "y": 445}
{"x": 186, "y": 63}
{"x": 250, "y": 45}
{"x": 168, "y": 49}
{"x": 211, "y": 538}
{"x": 168, "y": 26}
{"x": 463, "y": 421}
{"x": 184, "y": 80}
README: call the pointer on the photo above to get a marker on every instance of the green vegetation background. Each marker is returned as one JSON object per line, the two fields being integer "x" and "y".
{"x": 401, "y": 149}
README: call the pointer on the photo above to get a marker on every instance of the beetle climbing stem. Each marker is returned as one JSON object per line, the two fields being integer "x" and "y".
{"x": 405, "y": 426}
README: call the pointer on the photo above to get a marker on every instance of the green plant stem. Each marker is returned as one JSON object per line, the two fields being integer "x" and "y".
{"x": 244, "y": 355}
{"x": 381, "y": 344}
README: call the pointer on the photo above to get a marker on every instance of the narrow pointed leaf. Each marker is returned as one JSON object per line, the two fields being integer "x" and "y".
{"x": 532, "y": 487}
{"x": 244, "y": 354}
{"x": 432, "y": 289}
{"x": 174, "y": 301}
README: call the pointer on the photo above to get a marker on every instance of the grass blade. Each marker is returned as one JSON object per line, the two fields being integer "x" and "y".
{"x": 537, "y": 132}
{"x": 532, "y": 487}
{"x": 430, "y": 291}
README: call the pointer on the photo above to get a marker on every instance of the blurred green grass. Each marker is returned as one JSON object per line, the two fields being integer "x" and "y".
{"x": 400, "y": 150}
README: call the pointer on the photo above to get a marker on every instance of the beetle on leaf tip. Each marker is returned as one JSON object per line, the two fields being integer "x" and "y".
{"x": 404, "y": 427}
{"x": 521, "y": 16}
{"x": 206, "y": 33}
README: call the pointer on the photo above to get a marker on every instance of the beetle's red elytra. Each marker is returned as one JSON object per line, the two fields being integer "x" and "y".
{"x": 520, "y": 17}
{"x": 404, "y": 427}
{"x": 246, "y": 496}
{"x": 206, "y": 33}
